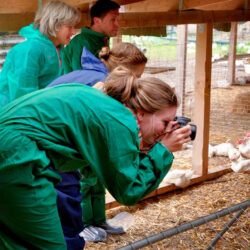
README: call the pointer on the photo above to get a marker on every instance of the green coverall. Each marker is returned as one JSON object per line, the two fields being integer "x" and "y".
{"x": 93, "y": 192}
{"x": 84, "y": 128}
{"x": 29, "y": 66}
{"x": 92, "y": 40}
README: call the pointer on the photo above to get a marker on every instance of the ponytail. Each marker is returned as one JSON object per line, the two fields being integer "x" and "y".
{"x": 148, "y": 94}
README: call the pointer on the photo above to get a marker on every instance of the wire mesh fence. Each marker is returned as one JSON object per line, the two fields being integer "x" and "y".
{"x": 229, "y": 104}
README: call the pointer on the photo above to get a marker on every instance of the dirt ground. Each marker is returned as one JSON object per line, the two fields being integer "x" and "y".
{"x": 160, "y": 213}
{"x": 229, "y": 119}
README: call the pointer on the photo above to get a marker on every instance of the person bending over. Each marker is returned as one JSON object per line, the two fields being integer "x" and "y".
{"x": 99, "y": 132}
{"x": 92, "y": 193}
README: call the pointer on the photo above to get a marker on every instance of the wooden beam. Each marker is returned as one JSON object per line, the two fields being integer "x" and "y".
{"x": 116, "y": 40}
{"x": 232, "y": 53}
{"x": 155, "y": 19}
{"x": 15, "y": 22}
{"x": 152, "y": 6}
{"x": 163, "y": 188}
{"x": 84, "y": 5}
{"x": 239, "y": 56}
{"x": 148, "y": 19}
{"x": 125, "y": 2}
{"x": 22, "y": 6}
{"x": 213, "y": 4}
{"x": 204, "y": 39}
{"x": 181, "y": 65}
{"x": 14, "y": 7}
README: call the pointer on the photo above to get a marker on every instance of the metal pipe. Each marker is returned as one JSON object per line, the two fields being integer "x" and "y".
{"x": 225, "y": 229}
{"x": 172, "y": 231}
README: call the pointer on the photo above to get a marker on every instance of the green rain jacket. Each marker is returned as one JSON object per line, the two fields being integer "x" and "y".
{"x": 29, "y": 66}
{"x": 86, "y": 128}
{"x": 92, "y": 40}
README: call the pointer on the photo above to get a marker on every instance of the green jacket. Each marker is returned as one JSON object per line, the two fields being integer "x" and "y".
{"x": 86, "y": 128}
{"x": 29, "y": 66}
{"x": 93, "y": 41}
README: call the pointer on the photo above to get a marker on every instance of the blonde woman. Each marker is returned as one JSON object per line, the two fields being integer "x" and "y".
{"x": 34, "y": 63}
{"x": 85, "y": 129}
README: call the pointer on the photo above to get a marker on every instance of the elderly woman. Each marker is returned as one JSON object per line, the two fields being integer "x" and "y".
{"x": 34, "y": 63}
{"x": 89, "y": 129}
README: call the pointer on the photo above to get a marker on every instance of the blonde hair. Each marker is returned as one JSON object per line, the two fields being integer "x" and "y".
{"x": 148, "y": 94}
{"x": 125, "y": 54}
{"x": 54, "y": 14}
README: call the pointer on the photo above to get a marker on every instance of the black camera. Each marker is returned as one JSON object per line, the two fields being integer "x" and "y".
{"x": 183, "y": 121}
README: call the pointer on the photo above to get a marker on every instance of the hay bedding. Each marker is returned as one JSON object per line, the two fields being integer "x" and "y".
{"x": 160, "y": 213}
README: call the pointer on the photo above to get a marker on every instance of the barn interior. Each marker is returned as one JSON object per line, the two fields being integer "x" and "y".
{"x": 209, "y": 67}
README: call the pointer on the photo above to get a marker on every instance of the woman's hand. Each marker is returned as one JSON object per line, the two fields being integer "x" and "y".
{"x": 176, "y": 137}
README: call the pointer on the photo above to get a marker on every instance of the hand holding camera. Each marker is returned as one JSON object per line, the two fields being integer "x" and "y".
{"x": 183, "y": 121}
{"x": 178, "y": 132}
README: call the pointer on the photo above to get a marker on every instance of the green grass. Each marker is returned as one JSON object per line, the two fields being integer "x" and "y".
{"x": 160, "y": 48}
{"x": 161, "y": 51}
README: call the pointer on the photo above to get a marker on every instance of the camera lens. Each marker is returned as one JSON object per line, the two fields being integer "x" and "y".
{"x": 193, "y": 131}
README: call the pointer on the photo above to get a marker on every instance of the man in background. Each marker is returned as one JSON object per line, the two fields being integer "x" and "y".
{"x": 104, "y": 24}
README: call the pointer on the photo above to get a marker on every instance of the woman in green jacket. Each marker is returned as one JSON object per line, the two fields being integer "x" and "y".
{"x": 36, "y": 62}
{"x": 86, "y": 128}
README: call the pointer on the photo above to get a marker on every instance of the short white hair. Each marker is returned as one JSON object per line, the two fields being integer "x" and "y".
{"x": 54, "y": 14}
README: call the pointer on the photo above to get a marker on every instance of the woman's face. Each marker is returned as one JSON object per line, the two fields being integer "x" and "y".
{"x": 154, "y": 125}
{"x": 64, "y": 34}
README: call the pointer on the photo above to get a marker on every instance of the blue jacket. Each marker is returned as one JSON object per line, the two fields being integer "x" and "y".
{"x": 93, "y": 71}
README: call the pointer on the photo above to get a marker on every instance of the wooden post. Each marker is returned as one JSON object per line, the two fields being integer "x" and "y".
{"x": 232, "y": 53}
{"x": 117, "y": 39}
{"x": 181, "y": 66}
{"x": 202, "y": 97}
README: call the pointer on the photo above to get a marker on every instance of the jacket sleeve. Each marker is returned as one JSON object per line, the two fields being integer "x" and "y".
{"x": 128, "y": 174}
{"x": 137, "y": 176}
{"x": 66, "y": 60}
{"x": 25, "y": 78}
{"x": 72, "y": 55}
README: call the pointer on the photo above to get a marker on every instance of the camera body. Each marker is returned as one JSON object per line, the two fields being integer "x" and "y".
{"x": 183, "y": 121}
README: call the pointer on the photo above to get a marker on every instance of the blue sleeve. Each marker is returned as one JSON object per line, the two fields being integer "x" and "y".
{"x": 80, "y": 76}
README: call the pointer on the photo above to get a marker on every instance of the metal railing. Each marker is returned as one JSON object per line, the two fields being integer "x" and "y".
{"x": 241, "y": 208}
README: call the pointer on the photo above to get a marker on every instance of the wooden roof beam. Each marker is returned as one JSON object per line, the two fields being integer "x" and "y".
{"x": 14, "y": 22}
{"x": 84, "y": 5}
{"x": 23, "y": 6}
{"x": 152, "y": 19}
{"x": 213, "y": 4}
{"x": 147, "y": 19}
